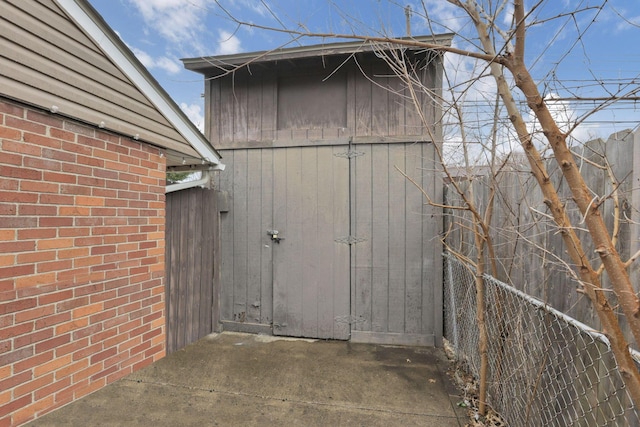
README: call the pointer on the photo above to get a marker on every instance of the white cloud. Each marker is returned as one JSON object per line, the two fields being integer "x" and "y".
{"x": 227, "y": 43}
{"x": 178, "y": 21}
{"x": 194, "y": 113}
{"x": 565, "y": 117}
{"x": 169, "y": 65}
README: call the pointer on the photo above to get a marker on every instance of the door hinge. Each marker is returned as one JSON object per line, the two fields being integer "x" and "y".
{"x": 350, "y": 240}
{"x": 350, "y": 154}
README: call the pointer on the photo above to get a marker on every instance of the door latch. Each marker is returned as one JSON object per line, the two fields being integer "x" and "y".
{"x": 274, "y": 236}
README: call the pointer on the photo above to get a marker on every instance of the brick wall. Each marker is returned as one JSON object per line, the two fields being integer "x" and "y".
{"x": 81, "y": 260}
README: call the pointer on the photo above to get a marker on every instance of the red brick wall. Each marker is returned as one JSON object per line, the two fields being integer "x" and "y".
{"x": 81, "y": 260}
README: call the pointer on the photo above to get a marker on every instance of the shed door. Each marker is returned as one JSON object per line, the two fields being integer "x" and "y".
{"x": 311, "y": 284}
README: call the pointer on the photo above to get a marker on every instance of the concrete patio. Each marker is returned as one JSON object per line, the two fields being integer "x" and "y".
{"x": 234, "y": 379}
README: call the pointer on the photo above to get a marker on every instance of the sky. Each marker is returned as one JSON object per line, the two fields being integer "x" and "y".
{"x": 576, "y": 49}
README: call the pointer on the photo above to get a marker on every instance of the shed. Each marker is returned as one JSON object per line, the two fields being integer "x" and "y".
{"x": 321, "y": 235}
{"x": 86, "y": 135}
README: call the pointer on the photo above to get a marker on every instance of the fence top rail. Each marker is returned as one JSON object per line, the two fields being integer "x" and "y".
{"x": 596, "y": 335}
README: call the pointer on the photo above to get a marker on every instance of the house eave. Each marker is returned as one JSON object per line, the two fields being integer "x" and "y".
{"x": 96, "y": 28}
{"x": 222, "y": 63}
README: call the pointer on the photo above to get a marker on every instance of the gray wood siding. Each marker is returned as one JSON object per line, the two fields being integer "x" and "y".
{"x": 47, "y": 60}
{"x": 396, "y": 277}
{"x": 326, "y": 178}
{"x": 191, "y": 233}
{"x": 246, "y": 111}
{"x": 246, "y": 257}
{"x": 395, "y": 284}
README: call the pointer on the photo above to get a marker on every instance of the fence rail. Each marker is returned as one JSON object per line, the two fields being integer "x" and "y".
{"x": 545, "y": 368}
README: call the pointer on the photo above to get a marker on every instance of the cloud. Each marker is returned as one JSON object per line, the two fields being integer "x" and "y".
{"x": 444, "y": 16}
{"x": 194, "y": 113}
{"x": 227, "y": 43}
{"x": 565, "y": 117}
{"x": 169, "y": 65}
{"x": 178, "y": 21}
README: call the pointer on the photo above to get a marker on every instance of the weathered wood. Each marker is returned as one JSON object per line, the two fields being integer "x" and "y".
{"x": 329, "y": 95}
{"x": 269, "y": 110}
{"x": 528, "y": 244}
{"x": 380, "y": 97}
{"x": 190, "y": 245}
{"x": 267, "y": 223}
{"x": 226, "y": 114}
{"x": 413, "y": 240}
{"x": 397, "y": 234}
{"x": 311, "y": 232}
{"x": 280, "y": 217}
{"x": 254, "y": 234}
{"x": 380, "y": 238}
{"x": 310, "y": 276}
{"x": 432, "y": 231}
{"x": 227, "y": 243}
{"x": 340, "y": 313}
{"x": 354, "y": 228}
{"x": 240, "y": 238}
{"x": 362, "y": 230}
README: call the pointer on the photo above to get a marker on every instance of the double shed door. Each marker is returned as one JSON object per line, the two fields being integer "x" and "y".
{"x": 358, "y": 257}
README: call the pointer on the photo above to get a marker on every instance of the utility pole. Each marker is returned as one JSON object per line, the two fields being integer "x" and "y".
{"x": 407, "y": 14}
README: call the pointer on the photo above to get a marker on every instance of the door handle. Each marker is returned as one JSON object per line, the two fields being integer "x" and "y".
{"x": 275, "y": 236}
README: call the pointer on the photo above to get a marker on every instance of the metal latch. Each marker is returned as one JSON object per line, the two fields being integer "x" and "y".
{"x": 274, "y": 236}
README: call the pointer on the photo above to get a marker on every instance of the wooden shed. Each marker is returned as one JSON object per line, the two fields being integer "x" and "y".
{"x": 321, "y": 235}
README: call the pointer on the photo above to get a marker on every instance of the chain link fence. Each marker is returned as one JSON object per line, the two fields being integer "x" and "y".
{"x": 545, "y": 368}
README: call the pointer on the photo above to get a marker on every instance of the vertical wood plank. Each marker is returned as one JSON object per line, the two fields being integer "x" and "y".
{"x": 341, "y": 312}
{"x": 254, "y": 188}
{"x": 266, "y": 259}
{"x": 413, "y": 121}
{"x": 351, "y": 101}
{"x": 240, "y": 227}
{"x": 227, "y": 242}
{"x": 327, "y": 222}
{"x": 280, "y": 218}
{"x": 195, "y": 261}
{"x": 362, "y": 102}
{"x": 209, "y": 214}
{"x": 171, "y": 253}
{"x": 254, "y": 108}
{"x": 379, "y": 100}
{"x": 380, "y": 238}
{"x": 294, "y": 249}
{"x": 312, "y": 283}
{"x": 181, "y": 314}
{"x": 212, "y": 109}
{"x": 397, "y": 105}
{"x": 240, "y": 113}
{"x": 432, "y": 274}
{"x": 413, "y": 240}
{"x": 361, "y": 269}
{"x": 227, "y": 110}
{"x": 397, "y": 255}
{"x": 269, "y": 110}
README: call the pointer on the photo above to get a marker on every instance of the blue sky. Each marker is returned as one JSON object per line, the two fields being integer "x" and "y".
{"x": 585, "y": 54}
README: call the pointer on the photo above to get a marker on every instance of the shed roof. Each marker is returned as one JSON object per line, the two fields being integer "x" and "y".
{"x": 62, "y": 56}
{"x": 213, "y": 65}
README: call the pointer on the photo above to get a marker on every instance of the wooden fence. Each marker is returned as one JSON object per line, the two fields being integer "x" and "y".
{"x": 530, "y": 252}
{"x": 191, "y": 239}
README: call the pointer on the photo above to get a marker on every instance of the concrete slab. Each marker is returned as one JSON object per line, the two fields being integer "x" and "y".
{"x": 252, "y": 380}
